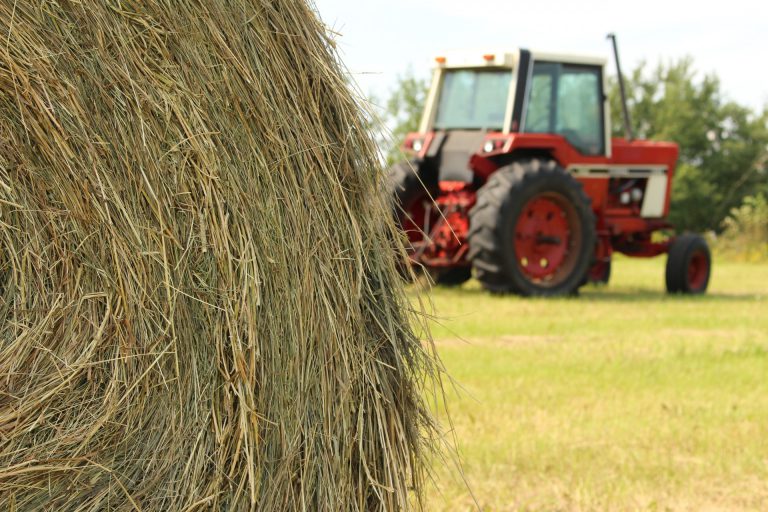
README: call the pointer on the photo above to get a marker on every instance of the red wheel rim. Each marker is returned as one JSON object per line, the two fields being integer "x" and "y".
{"x": 698, "y": 271}
{"x": 547, "y": 239}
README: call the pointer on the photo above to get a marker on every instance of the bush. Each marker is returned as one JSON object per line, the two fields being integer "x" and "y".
{"x": 745, "y": 230}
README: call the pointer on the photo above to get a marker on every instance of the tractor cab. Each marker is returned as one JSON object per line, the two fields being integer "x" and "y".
{"x": 476, "y": 96}
{"x": 513, "y": 177}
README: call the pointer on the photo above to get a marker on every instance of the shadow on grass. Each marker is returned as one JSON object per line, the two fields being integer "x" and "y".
{"x": 645, "y": 295}
{"x": 603, "y": 294}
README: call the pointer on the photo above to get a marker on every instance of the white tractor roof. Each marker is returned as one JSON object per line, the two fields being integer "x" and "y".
{"x": 508, "y": 58}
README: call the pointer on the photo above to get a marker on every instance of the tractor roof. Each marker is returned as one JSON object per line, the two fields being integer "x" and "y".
{"x": 508, "y": 58}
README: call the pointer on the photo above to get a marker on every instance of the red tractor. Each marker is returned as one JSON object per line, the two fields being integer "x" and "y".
{"x": 514, "y": 174}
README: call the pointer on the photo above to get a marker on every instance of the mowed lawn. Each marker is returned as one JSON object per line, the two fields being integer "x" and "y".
{"x": 621, "y": 399}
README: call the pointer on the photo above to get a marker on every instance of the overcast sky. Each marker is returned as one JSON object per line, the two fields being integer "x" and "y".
{"x": 379, "y": 39}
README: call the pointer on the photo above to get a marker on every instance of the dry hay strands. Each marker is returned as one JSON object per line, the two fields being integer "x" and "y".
{"x": 201, "y": 308}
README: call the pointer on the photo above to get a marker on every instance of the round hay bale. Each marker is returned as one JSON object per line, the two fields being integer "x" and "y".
{"x": 200, "y": 306}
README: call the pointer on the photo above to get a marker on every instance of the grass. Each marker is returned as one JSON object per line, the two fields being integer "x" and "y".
{"x": 622, "y": 399}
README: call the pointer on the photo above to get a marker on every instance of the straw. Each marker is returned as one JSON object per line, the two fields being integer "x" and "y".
{"x": 198, "y": 285}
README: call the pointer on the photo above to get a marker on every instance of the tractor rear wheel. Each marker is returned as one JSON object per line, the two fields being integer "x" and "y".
{"x": 689, "y": 265}
{"x": 406, "y": 185}
{"x": 532, "y": 231}
{"x": 410, "y": 187}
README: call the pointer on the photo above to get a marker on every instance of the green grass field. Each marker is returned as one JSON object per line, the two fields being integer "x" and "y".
{"x": 621, "y": 399}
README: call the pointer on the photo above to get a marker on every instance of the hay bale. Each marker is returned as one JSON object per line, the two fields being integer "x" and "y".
{"x": 200, "y": 308}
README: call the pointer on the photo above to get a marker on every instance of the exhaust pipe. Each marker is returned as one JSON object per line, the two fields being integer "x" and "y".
{"x": 627, "y": 120}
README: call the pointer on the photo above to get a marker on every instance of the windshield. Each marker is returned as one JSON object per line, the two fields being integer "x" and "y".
{"x": 473, "y": 99}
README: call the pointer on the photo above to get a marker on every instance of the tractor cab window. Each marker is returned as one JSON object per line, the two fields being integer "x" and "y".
{"x": 567, "y": 100}
{"x": 473, "y": 99}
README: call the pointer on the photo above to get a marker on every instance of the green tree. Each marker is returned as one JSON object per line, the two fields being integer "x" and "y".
{"x": 403, "y": 112}
{"x": 722, "y": 144}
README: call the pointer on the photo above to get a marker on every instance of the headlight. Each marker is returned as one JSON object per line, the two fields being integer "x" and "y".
{"x": 625, "y": 198}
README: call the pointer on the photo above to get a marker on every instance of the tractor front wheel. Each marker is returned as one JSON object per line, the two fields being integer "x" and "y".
{"x": 532, "y": 231}
{"x": 689, "y": 265}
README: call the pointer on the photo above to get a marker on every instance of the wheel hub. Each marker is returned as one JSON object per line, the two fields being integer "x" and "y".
{"x": 542, "y": 237}
{"x": 698, "y": 270}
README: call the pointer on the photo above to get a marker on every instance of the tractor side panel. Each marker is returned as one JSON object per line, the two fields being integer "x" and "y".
{"x": 597, "y": 190}
{"x": 652, "y": 162}
{"x": 650, "y": 153}
{"x": 657, "y": 193}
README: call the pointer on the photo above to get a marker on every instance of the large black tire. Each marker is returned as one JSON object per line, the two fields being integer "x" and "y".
{"x": 408, "y": 183}
{"x": 496, "y": 219}
{"x": 689, "y": 265}
{"x": 405, "y": 184}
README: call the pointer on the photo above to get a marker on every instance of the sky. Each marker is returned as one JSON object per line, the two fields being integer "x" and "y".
{"x": 378, "y": 40}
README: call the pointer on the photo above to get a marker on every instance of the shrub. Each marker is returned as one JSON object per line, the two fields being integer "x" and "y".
{"x": 745, "y": 230}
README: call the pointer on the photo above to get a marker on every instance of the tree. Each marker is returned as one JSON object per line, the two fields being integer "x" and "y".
{"x": 403, "y": 112}
{"x": 745, "y": 230}
{"x": 722, "y": 144}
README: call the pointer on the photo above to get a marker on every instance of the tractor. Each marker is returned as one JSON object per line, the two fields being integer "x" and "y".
{"x": 514, "y": 176}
